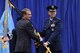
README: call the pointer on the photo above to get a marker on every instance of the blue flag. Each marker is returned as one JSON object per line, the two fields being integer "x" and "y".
{"x": 10, "y": 27}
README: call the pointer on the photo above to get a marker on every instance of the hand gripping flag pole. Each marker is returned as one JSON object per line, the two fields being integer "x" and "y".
{"x": 48, "y": 49}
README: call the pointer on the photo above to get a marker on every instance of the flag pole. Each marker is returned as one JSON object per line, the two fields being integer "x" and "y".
{"x": 15, "y": 8}
{"x": 6, "y": 18}
{"x": 5, "y": 24}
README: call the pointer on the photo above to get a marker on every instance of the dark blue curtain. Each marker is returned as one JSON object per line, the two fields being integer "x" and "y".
{"x": 68, "y": 11}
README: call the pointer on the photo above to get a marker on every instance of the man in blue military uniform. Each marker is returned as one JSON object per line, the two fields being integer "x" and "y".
{"x": 52, "y": 30}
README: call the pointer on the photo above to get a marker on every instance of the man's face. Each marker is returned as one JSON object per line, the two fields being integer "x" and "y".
{"x": 52, "y": 13}
{"x": 28, "y": 15}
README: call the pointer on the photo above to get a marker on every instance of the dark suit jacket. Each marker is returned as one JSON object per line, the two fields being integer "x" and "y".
{"x": 25, "y": 32}
{"x": 12, "y": 42}
{"x": 54, "y": 37}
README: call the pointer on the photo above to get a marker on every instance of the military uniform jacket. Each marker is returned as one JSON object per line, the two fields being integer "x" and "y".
{"x": 52, "y": 32}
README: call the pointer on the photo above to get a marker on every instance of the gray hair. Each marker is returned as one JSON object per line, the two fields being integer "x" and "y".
{"x": 26, "y": 9}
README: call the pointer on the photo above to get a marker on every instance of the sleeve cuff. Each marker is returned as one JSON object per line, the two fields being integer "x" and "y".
{"x": 48, "y": 42}
{"x": 10, "y": 36}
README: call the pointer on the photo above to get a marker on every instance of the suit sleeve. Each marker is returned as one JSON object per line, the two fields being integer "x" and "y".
{"x": 30, "y": 31}
{"x": 57, "y": 31}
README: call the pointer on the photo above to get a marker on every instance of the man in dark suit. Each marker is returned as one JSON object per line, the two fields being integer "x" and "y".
{"x": 25, "y": 32}
{"x": 52, "y": 31}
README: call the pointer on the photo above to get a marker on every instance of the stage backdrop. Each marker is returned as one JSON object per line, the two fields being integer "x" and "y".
{"x": 68, "y": 11}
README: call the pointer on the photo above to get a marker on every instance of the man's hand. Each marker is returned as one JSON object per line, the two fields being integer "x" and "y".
{"x": 45, "y": 44}
{"x": 5, "y": 39}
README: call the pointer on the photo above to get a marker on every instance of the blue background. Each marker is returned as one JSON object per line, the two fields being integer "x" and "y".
{"x": 68, "y": 11}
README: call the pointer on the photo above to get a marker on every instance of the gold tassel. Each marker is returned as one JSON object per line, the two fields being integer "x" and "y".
{"x": 4, "y": 45}
{"x": 11, "y": 5}
{"x": 48, "y": 50}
